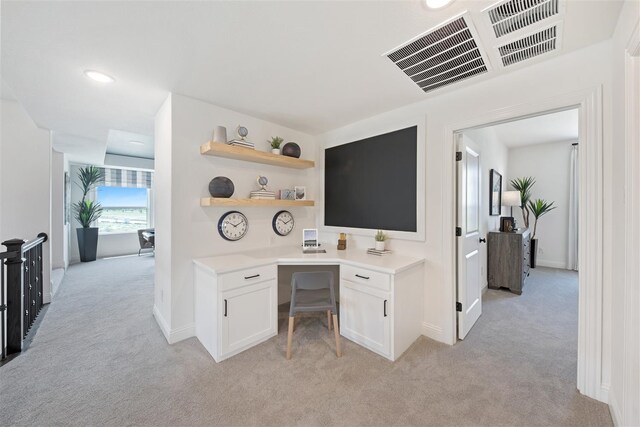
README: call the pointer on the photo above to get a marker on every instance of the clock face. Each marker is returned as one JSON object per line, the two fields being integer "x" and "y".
{"x": 283, "y": 223}
{"x": 233, "y": 226}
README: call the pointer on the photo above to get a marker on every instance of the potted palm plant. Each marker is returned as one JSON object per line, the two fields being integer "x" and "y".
{"x": 538, "y": 208}
{"x": 524, "y": 185}
{"x": 87, "y": 212}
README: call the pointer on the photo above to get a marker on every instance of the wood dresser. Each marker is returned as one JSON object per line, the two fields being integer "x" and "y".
{"x": 508, "y": 259}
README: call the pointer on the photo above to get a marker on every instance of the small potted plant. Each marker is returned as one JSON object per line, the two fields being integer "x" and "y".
{"x": 275, "y": 143}
{"x": 380, "y": 240}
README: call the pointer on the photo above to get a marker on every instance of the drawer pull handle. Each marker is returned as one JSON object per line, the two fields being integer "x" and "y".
{"x": 385, "y": 308}
{"x": 251, "y": 277}
{"x": 225, "y": 308}
{"x": 362, "y": 277}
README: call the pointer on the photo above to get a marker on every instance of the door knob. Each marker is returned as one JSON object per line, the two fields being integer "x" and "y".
{"x": 482, "y": 240}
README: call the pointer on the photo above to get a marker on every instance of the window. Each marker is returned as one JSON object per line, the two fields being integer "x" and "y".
{"x": 125, "y": 209}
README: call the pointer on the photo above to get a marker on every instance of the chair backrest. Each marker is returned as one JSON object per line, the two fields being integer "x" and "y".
{"x": 312, "y": 280}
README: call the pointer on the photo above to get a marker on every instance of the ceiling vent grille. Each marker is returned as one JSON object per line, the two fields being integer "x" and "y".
{"x": 529, "y": 47}
{"x": 517, "y": 14}
{"x": 441, "y": 57}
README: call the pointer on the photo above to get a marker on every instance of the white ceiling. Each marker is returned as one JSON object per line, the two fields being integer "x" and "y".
{"x": 554, "y": 127}
{"x": 309, "y": 65}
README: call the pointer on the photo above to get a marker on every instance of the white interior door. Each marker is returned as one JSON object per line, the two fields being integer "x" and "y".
{"x": 469, "y": 301}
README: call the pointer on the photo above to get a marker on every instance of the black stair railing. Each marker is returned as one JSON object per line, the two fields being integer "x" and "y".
{"x": 21, "y": 290}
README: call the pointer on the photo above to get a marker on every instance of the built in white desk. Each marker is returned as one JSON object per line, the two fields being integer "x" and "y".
{"x": 236, "y": 301}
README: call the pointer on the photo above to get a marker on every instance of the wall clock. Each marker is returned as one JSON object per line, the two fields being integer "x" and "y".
{"x": 283, "y": 223}
{"x": 233, "y": 225}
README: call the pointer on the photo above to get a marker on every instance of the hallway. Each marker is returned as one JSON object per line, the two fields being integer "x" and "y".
{"x": 99, "y": 358}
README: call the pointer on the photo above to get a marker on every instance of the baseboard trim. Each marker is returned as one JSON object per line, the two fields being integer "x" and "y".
{"x": 173, "y": 335}
{"x": 614, "y": 410}
{"x": 551, "y": 264}
{"x": 432, "y": 331}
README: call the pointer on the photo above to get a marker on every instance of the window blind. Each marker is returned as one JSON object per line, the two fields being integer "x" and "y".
{"x": 126, "y": 178}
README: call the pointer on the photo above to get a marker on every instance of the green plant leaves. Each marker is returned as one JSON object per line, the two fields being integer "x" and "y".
{"x": 540, "y": 207}
{"x": 86, "y": 212}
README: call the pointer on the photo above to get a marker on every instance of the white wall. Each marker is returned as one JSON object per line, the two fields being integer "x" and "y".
{"x": 59, "y": 259}
{"x": 550, "y": 165}
{"x": 184, "y": 230}
{"x": 128, "y": 162}
{"x": 624, "y": 396}
{"x": 493, "y": 155}
{"x": 25, "y": 192}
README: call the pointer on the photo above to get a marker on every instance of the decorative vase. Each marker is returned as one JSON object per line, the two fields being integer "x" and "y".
{"x": 87, "y": 243}
{"x": 221, "y": 186}
{"x": 291, "y": 149}
{"x": 534, "y": 253}
{"x": 275, "y": 150}
{"x": 380, "y": 245}
{"x": 220, "y": 134}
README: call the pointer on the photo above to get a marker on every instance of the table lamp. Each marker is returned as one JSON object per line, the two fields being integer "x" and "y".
{"x": 510, "y": 199}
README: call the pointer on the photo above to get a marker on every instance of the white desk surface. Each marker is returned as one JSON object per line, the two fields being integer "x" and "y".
{"x": 288, "y": 255}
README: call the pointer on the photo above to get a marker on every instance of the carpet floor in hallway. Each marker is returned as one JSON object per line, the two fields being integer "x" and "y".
{"x": 99, "y": 358}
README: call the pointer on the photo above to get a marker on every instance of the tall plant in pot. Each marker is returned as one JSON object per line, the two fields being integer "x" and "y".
{"x": 538, "y": 208}
{"x": 86, "y": 212}
{"x": 524, "y": 186}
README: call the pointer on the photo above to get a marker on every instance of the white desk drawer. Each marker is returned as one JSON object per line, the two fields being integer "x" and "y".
{"x": 363, "y": 276}
{"x": 248, "y": 276}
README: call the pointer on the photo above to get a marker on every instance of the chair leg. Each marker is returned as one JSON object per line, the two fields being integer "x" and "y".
{"x": 329, "y": 319}
{"x": 290, "y": 336}
{"x": 139, "y": 251}
{"x": 337, "y": 334}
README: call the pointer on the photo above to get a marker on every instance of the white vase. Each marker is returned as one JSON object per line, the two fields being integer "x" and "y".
{"x": 275, "y": 150}
{"x": 379, "y": 246}
{"x": 220, "y": 134}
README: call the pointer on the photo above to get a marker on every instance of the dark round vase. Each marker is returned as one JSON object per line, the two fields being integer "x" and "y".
{"x": 291, "y": 149}
{"x": 221, "y": 186}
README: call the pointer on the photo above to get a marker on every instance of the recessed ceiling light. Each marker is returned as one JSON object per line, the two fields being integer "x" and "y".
{"x": 437, "y": 4}
{"x": 136, "y": 142}
{"x": 99, "y": 77}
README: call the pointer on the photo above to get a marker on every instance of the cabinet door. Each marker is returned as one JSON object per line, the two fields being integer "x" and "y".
{"x": 248, "y": 316}
{"x": 365, "y": 316}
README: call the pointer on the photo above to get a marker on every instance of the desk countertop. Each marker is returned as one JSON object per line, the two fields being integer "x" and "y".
{"x": 287, "y": 255}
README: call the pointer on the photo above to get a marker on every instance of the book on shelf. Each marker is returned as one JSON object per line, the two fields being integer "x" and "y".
{"x": 241, "y": 143}
{"x": 262, "y": 194}
{"x": 374, "y": 251}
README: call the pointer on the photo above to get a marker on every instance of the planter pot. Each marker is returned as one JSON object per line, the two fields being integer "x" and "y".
{"x": 275, "y": 150}
{"x": 380, "y": 246}
{"x": 534, "y": 252}
{"x": 87, "y": 243}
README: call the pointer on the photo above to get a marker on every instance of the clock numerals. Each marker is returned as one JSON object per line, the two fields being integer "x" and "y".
{"x": 283, "y": 223}
{"x": 233, "y": 226}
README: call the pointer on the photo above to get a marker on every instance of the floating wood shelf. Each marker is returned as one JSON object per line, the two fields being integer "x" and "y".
{"x": 219, "y": 201}
{"x": 251, "y": 155}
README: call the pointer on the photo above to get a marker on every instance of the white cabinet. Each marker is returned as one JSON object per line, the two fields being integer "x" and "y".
{"x": 235, "y": 311}
{"x": 382, "y": 312}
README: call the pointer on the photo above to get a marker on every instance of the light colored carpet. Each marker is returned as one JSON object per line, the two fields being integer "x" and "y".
{"x": 99, "y": 358}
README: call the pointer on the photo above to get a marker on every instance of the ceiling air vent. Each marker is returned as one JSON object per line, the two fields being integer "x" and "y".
{"x": 516, "y": 14}
{"x": 528, "y": 47}
{"x": 440, "y": 57}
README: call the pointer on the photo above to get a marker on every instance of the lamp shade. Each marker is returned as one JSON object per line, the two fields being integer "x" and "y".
{"x": 511, "y": 198}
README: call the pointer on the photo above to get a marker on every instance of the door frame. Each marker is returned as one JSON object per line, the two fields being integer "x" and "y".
{"x": 591, "y": 209}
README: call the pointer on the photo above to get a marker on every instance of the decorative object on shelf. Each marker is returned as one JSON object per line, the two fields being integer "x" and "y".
{"x": 538, "y": 208}
{"x": 221, "y": 186}
{"x": 510, "y": 199}
{"x": 241, "y": 141}
{"x": 275, "y": 143}
{"x": 374, "y": 251}
{"x": 495, "y": 192}
{"x": 263, "y": 193}
{"x": 287, "y": 194}
{"x": 220, "y": 134}
{"x": 233, "y": 226}
{"x": 283, "y": 223}
{"x": 524, "y": 185}
{"x": 342, "y": 242}
{"x": 87, "y": 212}
{"x": 301, "y": 192}
{"x": 291, "y": 149}
{"x": 507, "y": 224}
{"x": 380, "y": 240}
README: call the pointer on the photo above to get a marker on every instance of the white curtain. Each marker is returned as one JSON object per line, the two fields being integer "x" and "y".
{"x": 572, "y": 253}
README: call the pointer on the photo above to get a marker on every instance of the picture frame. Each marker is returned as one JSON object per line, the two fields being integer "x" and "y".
{"x": 300, "y": 192}
{"x": 67, "y": 197}
{"x": 495, "y": 193}
{"x": 507, "y": 224}
{"x": 287, "y": 194}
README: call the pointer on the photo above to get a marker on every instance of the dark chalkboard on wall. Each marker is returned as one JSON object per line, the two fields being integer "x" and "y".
{"x": 371, "y": 183}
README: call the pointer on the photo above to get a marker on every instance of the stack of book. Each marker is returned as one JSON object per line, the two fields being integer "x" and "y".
{"x": 242, "y": 143}
{"x": 263, "y": 195}
{"x": 374, "y": 251}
